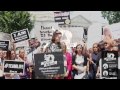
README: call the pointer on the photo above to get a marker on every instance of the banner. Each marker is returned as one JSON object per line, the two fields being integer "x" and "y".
{"x": 49, "y": 64}
{"x": 4, "y": 45}
{"x": 62, "y": 17}
{"x": 110, "y": 64}
{"x": 15, "y": 67}
{"x": 21, "y": 35}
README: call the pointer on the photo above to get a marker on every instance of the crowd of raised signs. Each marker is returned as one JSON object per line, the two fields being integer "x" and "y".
{"x": 81, "y": 63}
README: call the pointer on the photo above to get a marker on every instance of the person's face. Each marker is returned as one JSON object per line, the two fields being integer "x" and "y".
{"x": 106, "y": 45}
{"x": 57, "y": 38}
{"x": 22, "y": 53}
{"x": 90, "y": 50}
{"x": 13, "y": 55}
{"x": 79, "y": 49}
{"x": 95, "y": 48}
{"x": 1, "y": 53}
{"x": 60, "y": 36}
{"x": 4, "y": 54}
{"x": 107, "y": 31}
{"x": 32, "y": 41}
{"x": 37, "y": 44}
{"x": 115, "y": 48}
{"x": 63, "y": 46}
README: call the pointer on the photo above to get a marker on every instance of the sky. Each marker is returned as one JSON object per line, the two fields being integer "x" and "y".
{"x": 94, "y": 16}
{"x": 90, "y": 15}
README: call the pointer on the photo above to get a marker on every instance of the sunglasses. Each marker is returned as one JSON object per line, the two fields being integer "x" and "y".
{"x": 95, "y": 47}
{"x": 105, "y": 43}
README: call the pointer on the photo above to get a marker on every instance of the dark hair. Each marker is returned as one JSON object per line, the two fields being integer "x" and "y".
{"x": 1, "y": 49}
{"x": 76, "y": 49}
{"x": 55, "y": 34}
{"x": 14, "y": 52}
{"x": 8, "y": 55}
{"x": 53, "y": 37}
{"x": 119, "y": 47}
{"x": 58, "y": 32}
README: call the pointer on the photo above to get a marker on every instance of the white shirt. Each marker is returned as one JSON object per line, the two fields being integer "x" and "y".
{"x": 80, "y": 61}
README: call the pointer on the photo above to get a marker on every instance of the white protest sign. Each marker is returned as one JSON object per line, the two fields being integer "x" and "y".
{"x": 44, "y": 31}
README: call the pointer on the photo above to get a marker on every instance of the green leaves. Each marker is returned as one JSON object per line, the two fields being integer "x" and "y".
{"x": 11, "y": 21}
{"x": 112, "y": 16}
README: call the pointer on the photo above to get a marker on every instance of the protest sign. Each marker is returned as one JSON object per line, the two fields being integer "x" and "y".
{"x": 21, "y": 35}
{"x": 4, "y": 45}
{"x": 49, "y": 64}
{"x": 44, "y": 32}
{"x": 62, "y": 17}
{"x": 110, "y": 64}
{"x": 11, "y": 66}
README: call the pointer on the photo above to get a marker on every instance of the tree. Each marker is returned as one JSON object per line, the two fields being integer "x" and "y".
{"x": 11, "y": 21}
{"x": 112, "y": 16}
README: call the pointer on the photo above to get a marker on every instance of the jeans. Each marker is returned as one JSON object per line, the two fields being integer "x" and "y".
{"x": 91, "y": 75}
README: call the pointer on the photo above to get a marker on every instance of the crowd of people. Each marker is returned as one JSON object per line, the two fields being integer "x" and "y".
{"x": 81, "y": 63}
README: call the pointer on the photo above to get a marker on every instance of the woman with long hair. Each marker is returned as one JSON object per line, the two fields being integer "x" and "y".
{"x": 1, "y": 65}
{"x": 67, "y": 62}
{"x": 5, "y": 56}
{"x": 94, "y": 61}
{"x": 79, "y": 63}
{"x": 55, "y": 44}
